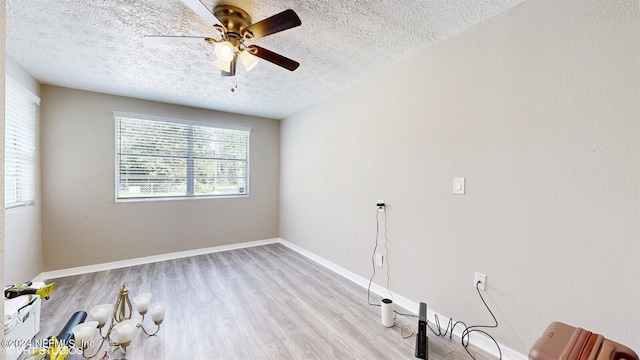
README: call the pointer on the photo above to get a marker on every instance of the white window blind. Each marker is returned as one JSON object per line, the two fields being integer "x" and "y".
{"x": 162, "y": 158}
{"x": 19, "y": 133}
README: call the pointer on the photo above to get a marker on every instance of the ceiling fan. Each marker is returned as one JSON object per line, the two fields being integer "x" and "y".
{"x": 233, "y": 30}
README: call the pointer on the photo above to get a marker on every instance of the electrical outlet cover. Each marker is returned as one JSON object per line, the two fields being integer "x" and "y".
{"x": 482, "y": 278}
{"x": 379, "y": 259}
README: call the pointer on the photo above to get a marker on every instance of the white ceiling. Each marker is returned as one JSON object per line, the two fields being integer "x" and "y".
{"x": 97, "y": 45}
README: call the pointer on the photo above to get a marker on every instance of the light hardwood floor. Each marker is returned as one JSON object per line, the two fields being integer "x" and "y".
{"x": 265, "y": 302}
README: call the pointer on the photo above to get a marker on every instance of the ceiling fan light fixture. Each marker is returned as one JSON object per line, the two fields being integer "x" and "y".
{"x": 223, "y": 65}
{"x": 232, "y": 27}
{"x": 224, "y": 51}
{"x": 248, "y": 60}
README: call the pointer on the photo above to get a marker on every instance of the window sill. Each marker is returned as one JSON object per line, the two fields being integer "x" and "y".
{"x": 174, "y": 198}
{"x": 21, "y": 204}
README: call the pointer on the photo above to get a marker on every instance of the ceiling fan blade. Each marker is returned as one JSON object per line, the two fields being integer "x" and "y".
{"x": 285, "y": 20}
{"x": 174, "y": 39}
{"x": 273, "y": 57}
{"x": 199, "y": 8}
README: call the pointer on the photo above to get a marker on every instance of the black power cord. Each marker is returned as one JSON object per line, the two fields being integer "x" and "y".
{"x": 405, "y": 330}
{"x": 468, "y": 329}
{"x": 373, "y": 257}
{"x": 476, "y": 328}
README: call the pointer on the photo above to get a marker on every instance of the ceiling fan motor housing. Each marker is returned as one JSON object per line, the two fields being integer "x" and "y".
{"x": 234, "y": 19}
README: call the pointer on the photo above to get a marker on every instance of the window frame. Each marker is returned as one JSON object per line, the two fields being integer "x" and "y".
{"x": 117, "y": 114}
{"x": 26, "y": 94}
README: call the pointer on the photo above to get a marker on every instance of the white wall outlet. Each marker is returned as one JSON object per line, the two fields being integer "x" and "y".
{"x": 458, "y": 186}
{"x": 482, "y": 278}
{"x": 379, "y": 259}
{"x": 380, "y": 208}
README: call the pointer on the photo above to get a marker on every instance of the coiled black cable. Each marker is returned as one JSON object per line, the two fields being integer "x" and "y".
{"x": 468, "y": 329}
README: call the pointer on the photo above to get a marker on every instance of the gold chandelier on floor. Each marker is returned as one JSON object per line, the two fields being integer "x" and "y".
{"x": 121, "y": 325}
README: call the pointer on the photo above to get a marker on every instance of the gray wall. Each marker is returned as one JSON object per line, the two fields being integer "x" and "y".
{"x": 23, "y": 225}
{"x": 83, "y": 225}
{"x": 538, "y": 109}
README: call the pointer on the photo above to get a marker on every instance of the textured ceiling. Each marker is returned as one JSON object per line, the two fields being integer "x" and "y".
{"x": 97, "y": 45}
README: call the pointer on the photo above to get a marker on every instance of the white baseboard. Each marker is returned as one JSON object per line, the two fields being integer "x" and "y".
{"x": 481, "y": 342}
{"x": 148, "y": 259}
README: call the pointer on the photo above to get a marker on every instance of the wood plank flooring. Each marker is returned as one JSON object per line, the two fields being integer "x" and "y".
{"x": 265, "y": 302}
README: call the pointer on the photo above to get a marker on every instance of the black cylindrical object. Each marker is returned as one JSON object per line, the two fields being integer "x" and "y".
{"x": 66, "y": 334}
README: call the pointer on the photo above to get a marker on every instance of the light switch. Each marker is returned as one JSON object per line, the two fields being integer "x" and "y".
{"x": 458, "y": 186}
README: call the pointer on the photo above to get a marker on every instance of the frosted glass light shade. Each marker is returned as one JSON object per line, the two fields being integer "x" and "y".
{"x": 223, "y": 65}
{"x": 224, "y": 51}
{"x": 158, "y": 311}
{"x": 142, "y": 302}
{"x": 248, "y": 60}
{"x": 84, "y": 332}
{"x": 101, "y": 313}
{"x": 125, "y": 331}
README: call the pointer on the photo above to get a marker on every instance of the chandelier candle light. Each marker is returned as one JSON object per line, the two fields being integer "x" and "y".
{"x": 121, "y": 323}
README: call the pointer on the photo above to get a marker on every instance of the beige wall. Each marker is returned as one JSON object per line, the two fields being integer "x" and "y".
{"x": 3, "y": 33}
{"x": 23, "y": 225}
{"x": 538, "y": 108}
{"x": 83, "y": 225}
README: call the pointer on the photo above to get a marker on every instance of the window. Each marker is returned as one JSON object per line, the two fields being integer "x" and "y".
{"x": 164, "y": 158}
{"x": 19, "y": 145}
